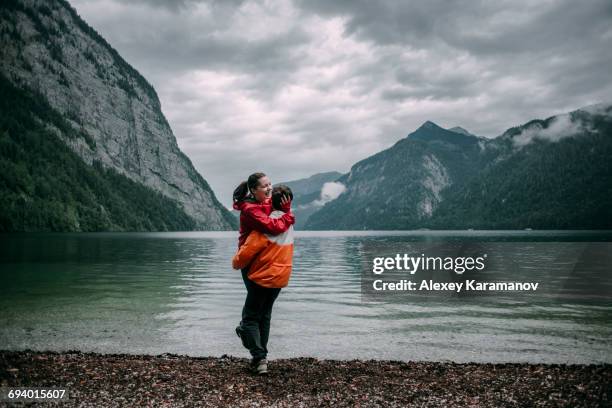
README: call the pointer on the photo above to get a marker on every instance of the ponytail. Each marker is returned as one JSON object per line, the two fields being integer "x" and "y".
{"x": 244, "y": 189}
{"x": 241, "y": 192}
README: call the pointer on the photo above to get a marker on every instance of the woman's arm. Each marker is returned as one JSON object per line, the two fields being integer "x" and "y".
{"x": 260, "y": 221}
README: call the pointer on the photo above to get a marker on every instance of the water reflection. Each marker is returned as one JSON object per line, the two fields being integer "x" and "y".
{"x": 176, "y": 292}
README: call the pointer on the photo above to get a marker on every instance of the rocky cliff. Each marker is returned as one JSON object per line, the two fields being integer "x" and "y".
{"x": 47, "y": 49}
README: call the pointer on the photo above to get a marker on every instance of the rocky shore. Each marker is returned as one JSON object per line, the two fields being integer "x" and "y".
{"x": 97, "y": 380}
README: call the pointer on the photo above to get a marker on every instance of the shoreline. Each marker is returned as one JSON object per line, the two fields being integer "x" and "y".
{"x": 103, "y": 380}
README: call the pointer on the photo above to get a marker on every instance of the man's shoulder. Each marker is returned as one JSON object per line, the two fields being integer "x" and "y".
{"x": 284, "y": 238}
{"x": 276, "y": 214}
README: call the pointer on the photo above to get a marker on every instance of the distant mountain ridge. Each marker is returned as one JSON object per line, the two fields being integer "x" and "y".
{"x": 546, "y": 174}
{"x": 552, "y": 173}
{"x": 308, "y": 195}
{"x": 313, "y": 183}
{"x": 110, "y": 115}
{"x": 401, "y": 186}
{"x": 459, "y": 129}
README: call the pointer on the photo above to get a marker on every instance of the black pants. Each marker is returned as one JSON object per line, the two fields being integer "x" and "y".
{"x": 256, "y": 315}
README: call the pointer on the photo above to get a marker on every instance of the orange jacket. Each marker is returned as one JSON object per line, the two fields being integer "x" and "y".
{"x": 270, "y": 257}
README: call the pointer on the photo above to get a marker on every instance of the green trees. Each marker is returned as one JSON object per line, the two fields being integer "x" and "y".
{"x": 565, "y": 184}
{"x": 45, "y": 186}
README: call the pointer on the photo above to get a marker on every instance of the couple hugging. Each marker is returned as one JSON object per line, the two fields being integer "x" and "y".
{"x": 265, "y": 252}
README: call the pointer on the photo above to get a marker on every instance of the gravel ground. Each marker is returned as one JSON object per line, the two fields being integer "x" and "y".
{"x": 98, "y": 380}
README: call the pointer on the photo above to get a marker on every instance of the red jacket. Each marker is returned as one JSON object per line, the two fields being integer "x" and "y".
{"x": 255, "y": 216}
{"x": 269, "y": 257}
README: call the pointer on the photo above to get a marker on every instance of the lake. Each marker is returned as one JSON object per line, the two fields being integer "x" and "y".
{"x": 159, "y": 293}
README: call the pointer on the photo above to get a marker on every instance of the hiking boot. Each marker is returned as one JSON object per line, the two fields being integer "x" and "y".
{"x": 259, "y": 367}
{"x": 240, "y": 333}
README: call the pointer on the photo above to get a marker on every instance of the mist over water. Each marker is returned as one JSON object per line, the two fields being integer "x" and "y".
{"x": 176, "y": 293}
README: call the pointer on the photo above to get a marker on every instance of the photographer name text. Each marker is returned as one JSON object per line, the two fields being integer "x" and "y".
{"x": 468, "y": 285}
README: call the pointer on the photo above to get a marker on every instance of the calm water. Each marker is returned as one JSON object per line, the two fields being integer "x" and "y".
{"x": 176, "y": 293}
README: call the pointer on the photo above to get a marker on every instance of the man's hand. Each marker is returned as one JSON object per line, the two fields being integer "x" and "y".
{"x": 285, "y": 203}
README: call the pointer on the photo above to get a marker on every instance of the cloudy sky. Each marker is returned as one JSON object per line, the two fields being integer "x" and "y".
{"x": 293, "y": 88}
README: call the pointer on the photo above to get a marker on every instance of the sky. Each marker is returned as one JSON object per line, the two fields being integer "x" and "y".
{"x": 293, "y": 88}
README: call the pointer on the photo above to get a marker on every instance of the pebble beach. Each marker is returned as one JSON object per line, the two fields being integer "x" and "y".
{"x": 105, "y": 380}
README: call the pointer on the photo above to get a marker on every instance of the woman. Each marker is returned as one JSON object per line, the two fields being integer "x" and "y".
{"x": 253, "y": 199}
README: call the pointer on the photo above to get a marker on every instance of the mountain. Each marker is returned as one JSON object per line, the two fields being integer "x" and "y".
{"x": 545, "y": 174}
{"x": 459, "y": 129}
{"x": 74, "y": 88}
{"x": 400, "y": 188}
{"x": 308, "y": 195}
{"x": 312, "y": 184}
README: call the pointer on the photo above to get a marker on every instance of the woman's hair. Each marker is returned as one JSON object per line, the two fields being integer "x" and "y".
{"x": 245, "y": 188}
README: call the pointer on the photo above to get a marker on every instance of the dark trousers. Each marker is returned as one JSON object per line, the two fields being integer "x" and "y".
{"x": 256, "y": 315}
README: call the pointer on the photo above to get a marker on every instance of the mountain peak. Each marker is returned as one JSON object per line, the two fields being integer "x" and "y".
{"x": 430, "y": 132}
{"x": 460, "y": 130}
{"x": 429, "y": 125}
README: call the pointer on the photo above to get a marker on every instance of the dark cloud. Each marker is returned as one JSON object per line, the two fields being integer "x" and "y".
{"x": 179, "y": 5}
{"x": 299, "y": 87}
{"x": 165, "y": 42}
{"x": 477, "y": 26}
